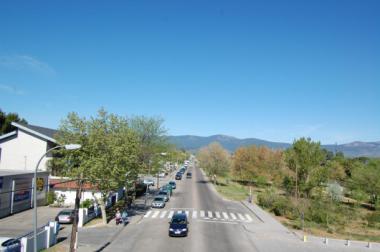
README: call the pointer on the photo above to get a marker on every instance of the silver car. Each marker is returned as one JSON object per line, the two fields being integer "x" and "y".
{"x": 158, "y": 202}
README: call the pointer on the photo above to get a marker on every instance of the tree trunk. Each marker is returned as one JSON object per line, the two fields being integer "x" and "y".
{"x": 103, "y": 209}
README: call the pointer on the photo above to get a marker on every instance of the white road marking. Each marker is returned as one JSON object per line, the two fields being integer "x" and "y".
{"x": 217, "y": 214}
{"x": 170, "y": 214}
{"x": 248, "y": 217}
{"x": 223, "y": 222}
{"x": 194, "y": 214}
{"x": 241, "y": 217}
{"x": 225, "y": 215}
{"x": 147, "y": 214}
{"x": 202, "y": 214}
{"x": 187, "y": 214}
{"x": 209, "y": 214}
{"x": 233, "y": 216}
{"x": 163, "y": 214}
{"x": 155, "y": 214}
{"x": 179, "y": 211}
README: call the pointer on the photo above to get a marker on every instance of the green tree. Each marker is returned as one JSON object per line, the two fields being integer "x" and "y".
{"x": 152, "y": 139}
{"x": 215, "y": 160}
{"x": 109, "y": 150}
{"x": 305, "y": 158}
{"x": 7, "y": 119}
{"x": 367, "y": 178}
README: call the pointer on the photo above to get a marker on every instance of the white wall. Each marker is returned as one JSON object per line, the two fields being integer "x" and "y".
{"x": 70, "y": 196}
{"x": 23, "y": 152}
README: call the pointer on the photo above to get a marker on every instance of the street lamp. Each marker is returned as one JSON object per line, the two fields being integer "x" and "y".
{"x": 67, "y": 147}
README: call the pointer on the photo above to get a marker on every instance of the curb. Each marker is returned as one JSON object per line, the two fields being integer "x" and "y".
{"x": 250, "y": 209}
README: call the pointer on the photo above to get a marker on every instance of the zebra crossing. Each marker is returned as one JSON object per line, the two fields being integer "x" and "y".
{"x": 200, "y": 214}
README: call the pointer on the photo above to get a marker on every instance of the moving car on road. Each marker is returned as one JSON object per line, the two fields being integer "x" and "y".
{"x": 178, "y": 225}
{"x": 158, "y": 202}
{"x": 65, "y": 216}
{"x": 178, "y": 176}
{"x": 164, "y": 194}
{"x": 188, "y": 175}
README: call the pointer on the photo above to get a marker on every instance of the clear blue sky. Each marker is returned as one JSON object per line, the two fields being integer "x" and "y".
{"x": 275, "y": 70}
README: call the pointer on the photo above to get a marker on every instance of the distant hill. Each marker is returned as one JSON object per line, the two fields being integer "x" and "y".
{"x": 193, "y": 143}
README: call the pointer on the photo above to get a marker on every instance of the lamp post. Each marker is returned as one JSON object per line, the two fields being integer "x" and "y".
{"x": 67, "y": 147}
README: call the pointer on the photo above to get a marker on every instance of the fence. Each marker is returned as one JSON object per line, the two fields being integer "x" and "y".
{"x": 46, "y": 237}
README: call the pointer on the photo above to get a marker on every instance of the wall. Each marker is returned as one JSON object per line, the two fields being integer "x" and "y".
{"x": 71, "y": 194}
{"x": 23, "y": 152}
{"x": 46, "y": 237}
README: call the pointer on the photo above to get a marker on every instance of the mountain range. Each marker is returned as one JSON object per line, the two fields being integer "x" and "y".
{"x": 193, "y": 143}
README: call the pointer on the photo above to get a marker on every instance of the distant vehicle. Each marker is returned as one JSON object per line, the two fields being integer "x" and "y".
{"x": 173, "y": 184}
{"x": 148, "y": 182}
{"x": 10, "y": 244}
{"x": 178, "y": 176}
{"x": 188, "y": 175}
{"x": 164, "y": 194}
{"x": 182, "y": 170}
{"x": 161, "y": 175}
{"x": 158, "y": 202}
{"x": 65, "y": 216}
{"x": 178, "y": 225}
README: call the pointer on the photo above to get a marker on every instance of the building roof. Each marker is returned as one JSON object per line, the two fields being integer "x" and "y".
{"x": 8, "y": 135}
{"x": 68, "y": 184}
{"x": 45, "y": 133}
{"x": 4, "y": 173}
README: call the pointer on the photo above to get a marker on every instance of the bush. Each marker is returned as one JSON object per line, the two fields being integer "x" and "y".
{"x": 51, "y": 198}
{"x": 284, "y": 207}
{"x": 267, "y": 198}
{"x": 374, "y": 219}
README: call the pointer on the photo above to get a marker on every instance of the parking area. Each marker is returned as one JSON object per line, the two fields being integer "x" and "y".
{"x": 21, "y": 223}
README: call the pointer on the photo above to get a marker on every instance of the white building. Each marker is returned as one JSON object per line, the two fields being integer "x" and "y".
{"x": 22, "y": 148}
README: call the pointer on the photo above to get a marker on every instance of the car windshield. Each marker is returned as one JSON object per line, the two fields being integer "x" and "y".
{"x": 162, "y": 193}
{"x": 65, "y": 213}
{"x": 159, "y": 199}
{"x": 179, "y": 220}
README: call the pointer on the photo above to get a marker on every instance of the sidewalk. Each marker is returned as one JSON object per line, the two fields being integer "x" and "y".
{"x": 271, "y": 225}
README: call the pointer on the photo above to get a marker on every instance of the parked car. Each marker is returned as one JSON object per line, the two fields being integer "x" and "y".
{"x": 173, "y": 184}
{"x": 178, "y": 176}
{"x": 164, "y": 194}
{"x": 10, "y": 244}
{"x": 168, "y": 188}
{"x": 158, "y": 202}
{"x": 148, "y": 182}
{"x": 188, "y": 175}
{"x": 161, "y": 175}
{"x": 65, "y": 216}
{"x": 178, "y": 225}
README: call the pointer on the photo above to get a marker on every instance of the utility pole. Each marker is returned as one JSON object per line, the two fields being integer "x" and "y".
{"x": 74, "y": 229}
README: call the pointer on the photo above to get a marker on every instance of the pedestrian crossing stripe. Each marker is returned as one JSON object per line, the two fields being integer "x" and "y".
{"x": 163, "y": 214}
{"x": 206, "y": 215}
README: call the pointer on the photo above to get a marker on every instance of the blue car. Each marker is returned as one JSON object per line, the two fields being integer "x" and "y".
{"x": 179, "y": 225}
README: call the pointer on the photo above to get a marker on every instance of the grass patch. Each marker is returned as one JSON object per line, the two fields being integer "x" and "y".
{"x": 231, "y": 190}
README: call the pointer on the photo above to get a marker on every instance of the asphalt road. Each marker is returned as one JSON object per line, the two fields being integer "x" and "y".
{"x": 215, "y": 224}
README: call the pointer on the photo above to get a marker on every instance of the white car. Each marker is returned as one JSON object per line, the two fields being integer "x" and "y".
{"x": 161, "y": 175}
{"x": 149, "y": 182}
{"x": 9, "y": 244}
